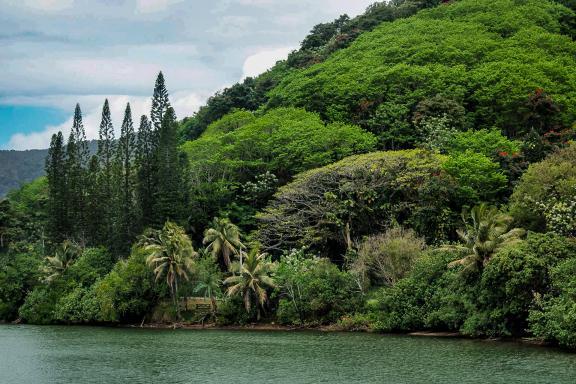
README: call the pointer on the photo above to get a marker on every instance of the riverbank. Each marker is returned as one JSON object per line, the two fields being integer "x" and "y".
{"x": 272, "y": 327}
{"x": 288, "y": 328}
{"x": 332, "y": 328}
{"x": 247, "y": 327}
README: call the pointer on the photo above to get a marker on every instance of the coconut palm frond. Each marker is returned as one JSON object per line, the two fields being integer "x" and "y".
{"x": 171, "y": 256}
{"x": 223, "y": 240}
{"x": 487, "y": 231}
{"x": 252, "y": 281}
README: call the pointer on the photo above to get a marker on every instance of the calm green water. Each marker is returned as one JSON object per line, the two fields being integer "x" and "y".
{"x": 31, "y": 354}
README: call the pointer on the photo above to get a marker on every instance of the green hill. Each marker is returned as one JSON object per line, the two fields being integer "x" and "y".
{"x": 486, "y": 57}
{"x": 20, "y": 167}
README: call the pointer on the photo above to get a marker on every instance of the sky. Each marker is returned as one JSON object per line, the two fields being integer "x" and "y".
{"x": 55, "y": 53}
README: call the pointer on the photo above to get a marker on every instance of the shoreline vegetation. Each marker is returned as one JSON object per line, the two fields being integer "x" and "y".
{"x": 411, "y": 171}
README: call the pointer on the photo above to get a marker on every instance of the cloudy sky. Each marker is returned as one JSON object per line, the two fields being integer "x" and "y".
{"x": 54, "y": 53}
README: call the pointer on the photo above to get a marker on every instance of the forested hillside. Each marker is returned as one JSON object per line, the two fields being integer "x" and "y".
{"x": 19, "y": 167}
{"x": 418, "y": 176}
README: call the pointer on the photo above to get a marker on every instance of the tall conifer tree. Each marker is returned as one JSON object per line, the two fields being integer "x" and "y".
{"x": 58, "y": 228}
{"x": 76, "y": 163}
{"x": 95, "y": 206}
{"x": 146, "y": 170}
{"x": 106, "y": 154}
{"x": 160, "y": 103}
{"x": 160, "y": 108}
{"x": 126, "y": 219}
{"x": 169, "y": 198}
{"x": 106, "y": 138}
{"x": 80, "y": 138}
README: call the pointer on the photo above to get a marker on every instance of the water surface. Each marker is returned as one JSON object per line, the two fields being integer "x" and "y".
{"x": 72, "y": 355}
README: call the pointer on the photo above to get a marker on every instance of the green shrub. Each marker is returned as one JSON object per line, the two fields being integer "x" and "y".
{"x": 554, "y": 315}
{"x": 78, "y": 306}
{"x": 129, "y": 291}
{"x": 232, "y": 312}
{"x": 488, "y": 142}
{"x": 511, "y": 281}
{"x": 314, "y": 291}
{"x": 479, "y": 178}
{"x": 431, "y": 297}
{"x": 93, "y": 264}
{"x": 545, "y": 198}
{"x": 385, "y": 258}
{"x": 19, "y": 274}
{"x": 40, "y": 304}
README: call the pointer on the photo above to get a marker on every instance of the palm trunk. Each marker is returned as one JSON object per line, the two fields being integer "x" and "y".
{"x": 176, "y": 299}
{"x": 226, "y": 257}
{"x": 213, "y": 302}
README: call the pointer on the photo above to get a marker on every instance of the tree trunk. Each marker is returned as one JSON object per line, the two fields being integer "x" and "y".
{"x": 226, "y": 256}
{"x": 213, "y": 302}
{"x": 177, "y": 299}
{"x": 348, "y": 236}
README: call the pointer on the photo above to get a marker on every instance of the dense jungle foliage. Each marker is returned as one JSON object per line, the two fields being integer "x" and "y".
{"x": 409, "y": 169}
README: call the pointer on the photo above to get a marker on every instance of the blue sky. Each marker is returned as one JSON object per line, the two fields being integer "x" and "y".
{"x": 55, "y": 53}
{"x": 26, "y": 119}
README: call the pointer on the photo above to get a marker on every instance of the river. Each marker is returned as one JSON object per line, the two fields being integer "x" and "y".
{"x": 78, "y": 355}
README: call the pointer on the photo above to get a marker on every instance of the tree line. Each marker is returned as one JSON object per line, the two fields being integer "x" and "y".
{"x": 133, "y": 182}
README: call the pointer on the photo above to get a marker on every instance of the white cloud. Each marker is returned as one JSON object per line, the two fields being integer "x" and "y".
{"x": 153, "y": 6}
{"x": 129, "y": 69}
{"x": 186, "y": 103}
{"x": 45, "y": 5}
{"x": 315, "y": 8}
{"x": 262, "y": 61}
{"x": 233, "y": 26}
{"x": 34, "y": 140}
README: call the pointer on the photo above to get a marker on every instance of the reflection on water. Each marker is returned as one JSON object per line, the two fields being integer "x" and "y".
{"x": 30, "y": 354}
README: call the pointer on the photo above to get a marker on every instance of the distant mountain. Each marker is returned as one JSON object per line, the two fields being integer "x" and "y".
{"x": 20, "y": 167}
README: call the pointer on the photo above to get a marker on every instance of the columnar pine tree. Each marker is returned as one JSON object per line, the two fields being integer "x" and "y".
{"x": 154, "y": 192}
{"x": 95, "y": 207}
{"x": 76, "y": 162}
{"x": 125, "y": 210}
{"x": 80, "y": 137}
{"x": 160, "y": 103}
{"x": 58, "y": 225}
{"x": 106, "y": 153}
{"x": 170, "y": 180}
{"x": 146, "y": 170}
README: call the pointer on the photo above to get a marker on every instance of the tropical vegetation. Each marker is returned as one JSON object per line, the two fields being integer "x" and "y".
{"x": 409, "y": 169}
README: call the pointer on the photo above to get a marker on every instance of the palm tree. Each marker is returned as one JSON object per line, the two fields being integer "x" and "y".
{"x": 252, "y": 281}
{"x": 487, "y": 231}
{"x": 63, "y": 258}
{"x": 209, "y": 284}
{"x": 223, "y": 240}
{"x": 171, "y": 256}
